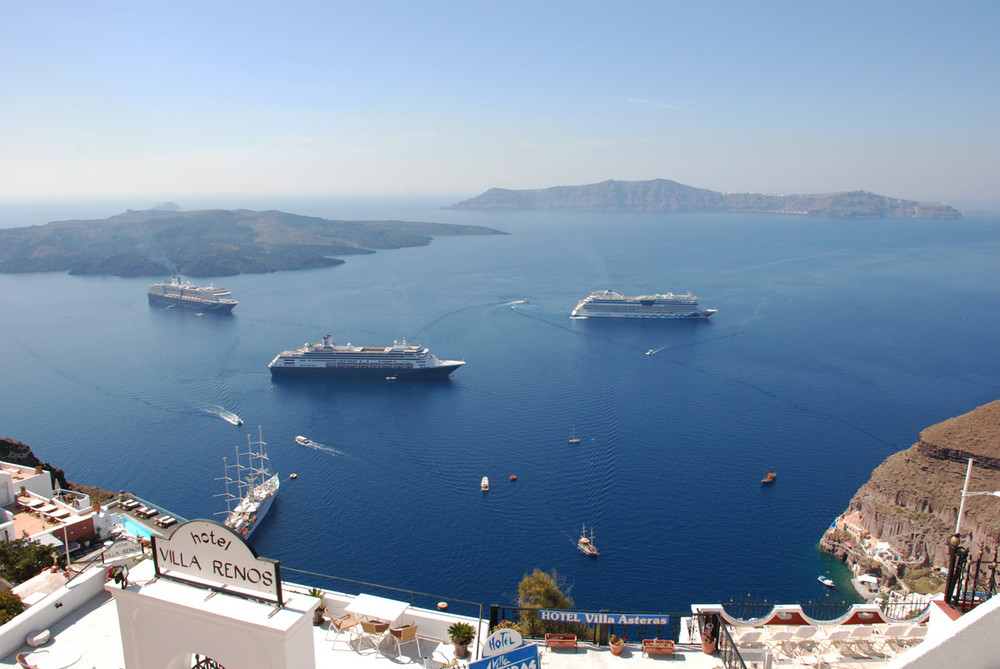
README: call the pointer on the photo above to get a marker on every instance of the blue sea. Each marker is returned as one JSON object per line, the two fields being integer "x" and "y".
{"x": 836, "y": 342}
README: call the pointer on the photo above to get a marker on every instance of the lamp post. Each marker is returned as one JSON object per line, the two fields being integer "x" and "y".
{"x": 966, "y": 493}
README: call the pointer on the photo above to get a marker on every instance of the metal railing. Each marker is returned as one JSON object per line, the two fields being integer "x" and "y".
{"x": 970, "y": 582}
{"x": 417, "y": 599}
{"x": 827, "y": 608}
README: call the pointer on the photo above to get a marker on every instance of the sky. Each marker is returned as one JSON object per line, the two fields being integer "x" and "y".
{"x": 402, "y": 96}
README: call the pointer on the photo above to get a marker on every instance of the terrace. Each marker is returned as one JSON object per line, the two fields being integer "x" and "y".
{"x": 83, "y": 623}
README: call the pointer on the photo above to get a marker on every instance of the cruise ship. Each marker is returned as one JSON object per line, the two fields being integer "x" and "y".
{"x": 609, "y": 304}
{"x": 185, "y": 294}
{"x": 328, "y": 360}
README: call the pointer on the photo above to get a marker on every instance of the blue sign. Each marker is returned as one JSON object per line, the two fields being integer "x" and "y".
{"x": 525, "y": 657}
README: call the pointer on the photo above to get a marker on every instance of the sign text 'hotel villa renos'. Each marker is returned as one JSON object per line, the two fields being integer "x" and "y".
{"x": 209, "y": 554}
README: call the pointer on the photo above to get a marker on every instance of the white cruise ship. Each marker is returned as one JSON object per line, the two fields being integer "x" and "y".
{"x": 177, "y": 293}
{"x": 332, "y": 361}
{"x": 609, "y": 304}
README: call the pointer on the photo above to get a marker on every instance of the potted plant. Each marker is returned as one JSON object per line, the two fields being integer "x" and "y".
{"x": 321, "y": 609}
{"x": 617, "y": 643}
{"x": 708, "y": 636}
{"x": 461, "y": 635}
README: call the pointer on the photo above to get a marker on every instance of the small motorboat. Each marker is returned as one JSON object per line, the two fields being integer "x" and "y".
{"x": 513, "y": 477}
{"x": 650, "y": 352}
{"x": 769, "y": 478}
{"x": 828, "y": 582}
{"x": 484, "y": 485}
{"x": 303, "y": 441}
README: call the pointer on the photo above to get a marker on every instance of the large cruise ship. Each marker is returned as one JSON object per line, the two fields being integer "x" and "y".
{"x": 609, "y": 304}
{"x": 328, "y": 360}
{"x": 185, "y": 294}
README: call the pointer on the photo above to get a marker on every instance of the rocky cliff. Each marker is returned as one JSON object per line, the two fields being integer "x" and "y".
{"x": 19, "y": 453}
{"x": 913, "y": 497}
{"x": 669, "y": 196}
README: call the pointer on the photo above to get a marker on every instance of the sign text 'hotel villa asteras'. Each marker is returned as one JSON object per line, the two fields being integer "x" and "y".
{"x": 210, "y": 555}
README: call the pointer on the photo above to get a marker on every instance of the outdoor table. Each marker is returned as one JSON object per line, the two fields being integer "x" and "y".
{"x": 48, "y": 508}
{"x": 377, "y": 608}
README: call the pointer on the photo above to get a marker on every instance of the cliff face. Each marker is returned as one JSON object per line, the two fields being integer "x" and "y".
{"x": 912, "y": 499}
{"x": 18, "y": 453}
{"x": 669, "y": 196}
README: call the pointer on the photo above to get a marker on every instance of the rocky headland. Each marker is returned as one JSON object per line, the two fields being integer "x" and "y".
{"x": 911, "y": 502}
{"x": 18, "y": 453}
{"x": 215, "y": 242}
{"x": 663, "y": 195}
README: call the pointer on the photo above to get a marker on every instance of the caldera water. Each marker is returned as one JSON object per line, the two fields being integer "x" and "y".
{"x": 835, "y": 343}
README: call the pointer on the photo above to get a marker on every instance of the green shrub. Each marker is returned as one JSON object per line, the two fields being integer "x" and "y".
{"x": 10, "y": 605}
{"x": 21, "y": 559}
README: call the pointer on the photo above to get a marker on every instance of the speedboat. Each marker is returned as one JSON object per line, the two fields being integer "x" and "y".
{"x": 302, "y": 441}
{"x": 828, "y": 582}
{"x": 484, "y": 484}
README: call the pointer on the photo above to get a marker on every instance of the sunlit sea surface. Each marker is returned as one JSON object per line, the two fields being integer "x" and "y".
{"x": 835, "y": 343}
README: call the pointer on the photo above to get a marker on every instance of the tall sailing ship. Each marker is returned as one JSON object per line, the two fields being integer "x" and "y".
{"x": 328, "y": 360}
{"x": 609, "y": 304}
{"x": 250, "y": 487}
{"x": 185, "y": 294}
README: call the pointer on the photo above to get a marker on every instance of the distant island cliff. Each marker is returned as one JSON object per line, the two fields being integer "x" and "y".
{"x": 911, "y": 503}
{"x": 663, "y": 195}
{"x": 214, "y": 242}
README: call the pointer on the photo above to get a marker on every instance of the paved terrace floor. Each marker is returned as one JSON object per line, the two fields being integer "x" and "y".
{"x": 92, "y": 632}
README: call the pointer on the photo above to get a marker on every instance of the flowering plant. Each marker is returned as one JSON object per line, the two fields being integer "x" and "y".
{"x": 616, "y": 640}
{"x": 707, "y": 636}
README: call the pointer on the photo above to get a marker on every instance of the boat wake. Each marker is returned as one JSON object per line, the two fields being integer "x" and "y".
{"x": 320, "y": 447}
{"x": 228, "y": 416}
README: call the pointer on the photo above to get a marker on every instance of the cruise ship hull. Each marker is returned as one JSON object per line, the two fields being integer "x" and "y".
{"x": 440, "y": 372}
{"x": 220, "y": 307}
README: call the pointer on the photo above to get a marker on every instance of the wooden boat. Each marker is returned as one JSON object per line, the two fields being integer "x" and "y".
{"x": 769, "y": 478}
{"x": 586, "y": 544}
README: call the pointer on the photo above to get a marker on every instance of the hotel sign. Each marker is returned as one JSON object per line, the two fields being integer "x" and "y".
{"x": 210, "y": 555}
{"x": 603, "y": 618}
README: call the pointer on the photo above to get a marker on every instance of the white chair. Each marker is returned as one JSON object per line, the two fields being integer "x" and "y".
{"x": 804, "y": 639}
{"x": 778, "y": 640}
{"x": 859, "y": 642}
{"x": 913, "y": 636}
{"x": 404, "y": 635}
{"x": 888, "y": 639}
{"x": 751, "y": 638}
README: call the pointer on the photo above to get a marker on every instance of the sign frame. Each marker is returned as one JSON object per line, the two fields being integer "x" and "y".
{"x": 217, "y": 540}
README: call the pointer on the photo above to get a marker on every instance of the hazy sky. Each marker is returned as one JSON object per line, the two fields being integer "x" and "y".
{"x": 403, "y": 96}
